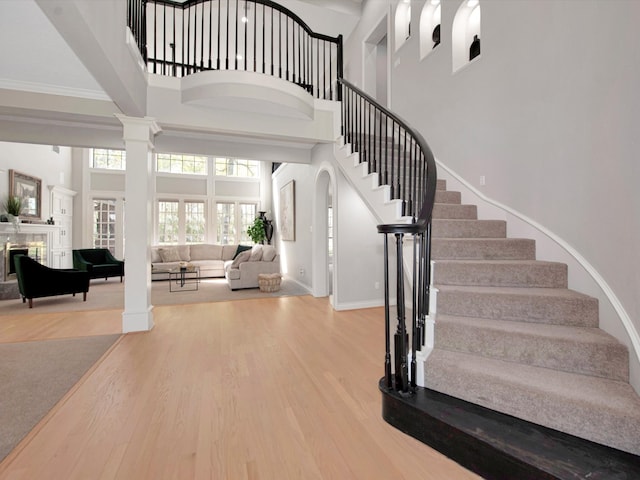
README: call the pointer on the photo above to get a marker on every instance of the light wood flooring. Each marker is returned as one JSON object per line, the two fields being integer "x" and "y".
{"x": 282, "y": 388}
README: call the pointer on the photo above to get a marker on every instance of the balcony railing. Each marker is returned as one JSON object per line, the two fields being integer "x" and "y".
{"x": 179, "y": 39}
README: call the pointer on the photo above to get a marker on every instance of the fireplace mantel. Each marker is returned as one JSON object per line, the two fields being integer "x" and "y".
{"x": 7, "y": 229}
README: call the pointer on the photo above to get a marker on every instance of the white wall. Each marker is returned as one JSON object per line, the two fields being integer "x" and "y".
{"x": 40, "y": 161}
{"x": 357, "y": 245}
{"x": 548, "y": 114}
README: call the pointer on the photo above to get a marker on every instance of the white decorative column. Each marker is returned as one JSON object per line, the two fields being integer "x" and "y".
{"x": 138, "y": 228}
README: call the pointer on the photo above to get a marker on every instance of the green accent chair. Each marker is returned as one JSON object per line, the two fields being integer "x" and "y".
{"x": 36, "y": 280}
{"x": 99, "y": 262}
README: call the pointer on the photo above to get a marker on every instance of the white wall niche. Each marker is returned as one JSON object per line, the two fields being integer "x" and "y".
{"x": 402, "y": 23}
{"x": 466, "y": 27}
{"x": 430, "y": 18}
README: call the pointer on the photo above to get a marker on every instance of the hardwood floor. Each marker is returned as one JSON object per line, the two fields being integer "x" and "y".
{"x": 282, "y": 388}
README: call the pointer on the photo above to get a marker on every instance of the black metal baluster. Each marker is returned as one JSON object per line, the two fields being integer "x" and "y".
{"x": 386, "y": 153}
{"x": 272, "y": 64}
{"x": 299, "y": 54}
{"x": 182, "y": 47}
{"x": 286, "y": 20}
{"x": 264, "y": 26}
{"x": 255, "y": 37}
{"x": 188, "y": 62}
{"x": 227, "y": 39}
{"x": 173, "y": 45}
{"x": 219, "y": 36}
{"x": 246, "y": 13}
{"x": 236, "y": 37}
{"x": 211, "y": 33}
{"x": 279, "y": 44}
{"x": 324, "y": 69}
{"x": 155, "y": 37}
{"x": 318, "y": 66}
{"x": 202, "y": 39}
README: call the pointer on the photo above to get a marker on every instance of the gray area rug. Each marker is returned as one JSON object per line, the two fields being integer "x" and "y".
{"x": 34, "y": 376}
{"x": 109, "y": 294}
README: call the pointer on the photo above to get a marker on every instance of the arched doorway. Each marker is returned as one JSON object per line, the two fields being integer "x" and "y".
{"x": 324, "y": 247}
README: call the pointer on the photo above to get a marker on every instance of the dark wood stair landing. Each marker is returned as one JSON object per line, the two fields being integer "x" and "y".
{"x": 501, "y": 447}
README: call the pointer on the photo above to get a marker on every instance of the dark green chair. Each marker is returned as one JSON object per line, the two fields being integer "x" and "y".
{"x": 98, "y": 262}
{"x": 36, "y": 280}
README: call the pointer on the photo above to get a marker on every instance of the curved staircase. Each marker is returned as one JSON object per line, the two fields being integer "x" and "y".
{"x": 520, "y": 371}
{"x": 512, "y": 337}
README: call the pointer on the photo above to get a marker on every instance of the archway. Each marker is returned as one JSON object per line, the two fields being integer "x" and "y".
{"x": 324, "y": 232}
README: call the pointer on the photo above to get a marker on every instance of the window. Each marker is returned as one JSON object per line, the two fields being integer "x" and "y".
{"x": 186, "y": 164}
{"x": 108, "y": 159}
{"x": 233, "y": 219}
{"x": 233, "y": 167}
{"x": 104, "y": 224}
{"x": 226, "y": 233}
{"x": 194, "y": 222}
{"x": 330, "y": 231}
{"x": 247, "y": 216}
{"x": 168, "y": 222}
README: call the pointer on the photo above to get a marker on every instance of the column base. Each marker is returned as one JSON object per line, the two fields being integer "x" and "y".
{"x": 137, "y": 321}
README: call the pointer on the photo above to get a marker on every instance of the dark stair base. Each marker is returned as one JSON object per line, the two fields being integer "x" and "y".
{"x": 501, "y": 447}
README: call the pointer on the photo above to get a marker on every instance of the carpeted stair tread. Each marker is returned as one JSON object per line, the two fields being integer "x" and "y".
{"x": 599, "y": 409}
{"x": 588, "y": 351}
{"x": 463, "y": 228}
{"x": 483, "y": 248}
{"x": 447, "y": 210}
{"x": 530, "y": 304}
{"x": 501, "y": 273}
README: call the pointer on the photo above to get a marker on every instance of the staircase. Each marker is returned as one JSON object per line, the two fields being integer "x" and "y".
{"x": 512, "y": 337}
{"x": 509, "y": 335}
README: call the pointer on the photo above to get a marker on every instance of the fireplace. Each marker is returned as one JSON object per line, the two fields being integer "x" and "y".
{"x": 33, "y": 245}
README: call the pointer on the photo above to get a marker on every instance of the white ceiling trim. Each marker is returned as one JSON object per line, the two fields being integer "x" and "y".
{"x": 49, "y": 89}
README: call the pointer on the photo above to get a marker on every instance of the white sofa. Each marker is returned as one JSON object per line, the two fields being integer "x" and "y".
{"x": 210, "y": 258}
{"x": 243, "y": 271}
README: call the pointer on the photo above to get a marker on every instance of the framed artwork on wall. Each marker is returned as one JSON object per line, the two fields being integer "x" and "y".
{"x": 29, "y": 190}
{"x": 288, "y": 211}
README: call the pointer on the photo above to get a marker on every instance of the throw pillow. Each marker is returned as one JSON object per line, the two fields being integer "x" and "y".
{"x": 256, "y": 253}
{"x": 243, "y": 257}
{"x": 241, "y": 248}
{"x": 169, "y": 255}
{"x": 268, "y": 253}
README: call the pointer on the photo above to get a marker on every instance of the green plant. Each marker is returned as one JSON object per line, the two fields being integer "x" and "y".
{"x": 256, "y": 231}
{"x": 13, "y": 206}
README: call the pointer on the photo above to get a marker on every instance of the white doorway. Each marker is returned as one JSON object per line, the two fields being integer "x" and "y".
{"x": 323, "y": 235}
{"x": 376, "y": 63}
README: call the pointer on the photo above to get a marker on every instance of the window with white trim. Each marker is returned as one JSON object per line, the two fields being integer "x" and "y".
{"x": 235, "y": 167}
{"x": 195, "y": 223}
{"x": 168, "y": 222}
{"x": 104, "y": 224}
{"x": 108, "y": 159}
{"x": 184, "y": 164}
{"x": 232, "y": 221}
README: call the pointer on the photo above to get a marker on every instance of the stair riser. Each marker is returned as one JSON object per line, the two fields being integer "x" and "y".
{"x": 483, "y": 249}
{"x": 497, "y": 275}
{"x": 571, "y": 415}
{"x": 605, "y": 360}
{"x": 445, "y": 210}
{"x": 443, "y": 196}
{"x": 574, "y": 311}
{"x": 468, "y": 228}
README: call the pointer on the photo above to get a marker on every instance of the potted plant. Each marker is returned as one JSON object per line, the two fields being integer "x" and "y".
{"x": 13, "y": 207}
{"x": 256, "y": 231}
